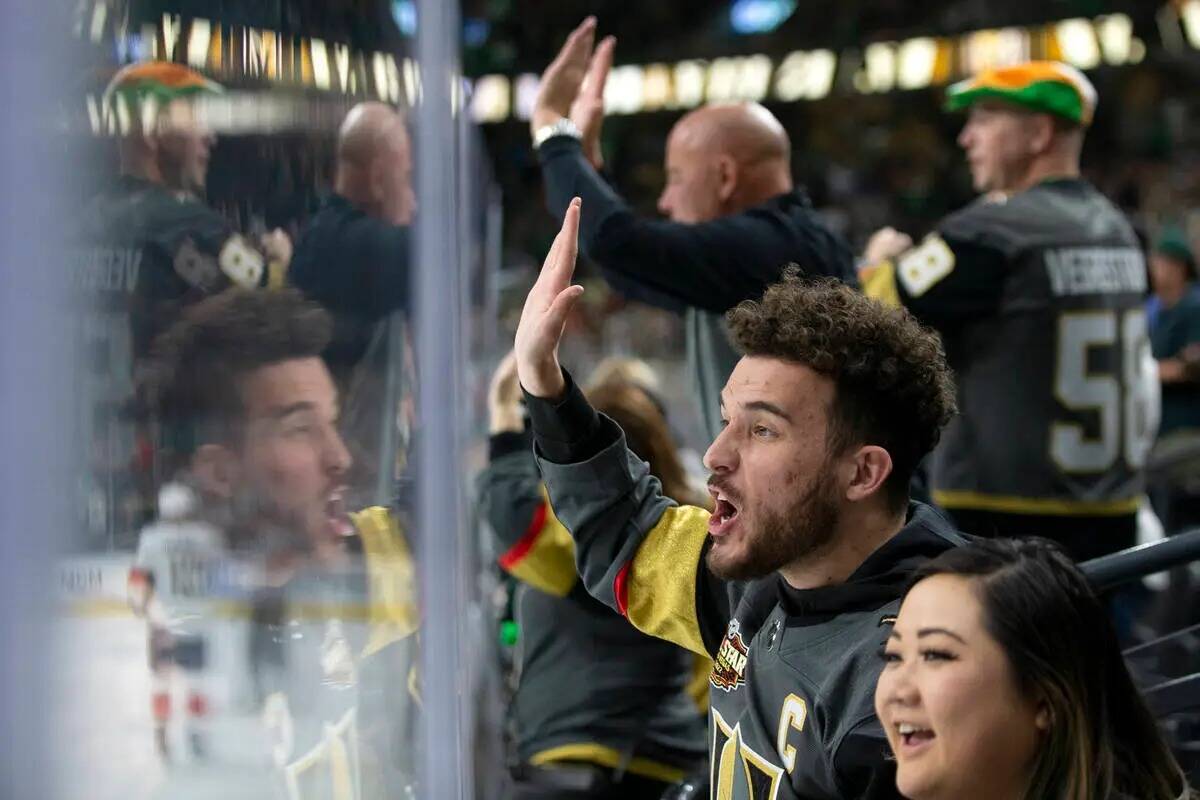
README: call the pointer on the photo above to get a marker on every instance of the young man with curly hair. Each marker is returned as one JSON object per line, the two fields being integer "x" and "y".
{"x": 239, "y": 387}
{"x": 791, "y": 583}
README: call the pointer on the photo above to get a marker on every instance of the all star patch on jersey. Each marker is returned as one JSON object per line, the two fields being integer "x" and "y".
{"x": 729, "y": 667}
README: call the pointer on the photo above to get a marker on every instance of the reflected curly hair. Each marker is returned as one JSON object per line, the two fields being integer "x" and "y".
{"x": 892, "y": 386}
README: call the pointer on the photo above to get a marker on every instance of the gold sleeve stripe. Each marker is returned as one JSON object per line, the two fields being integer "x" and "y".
{"x": 698, "y": 685}
{"x": 544, "y": 556}
{"x": 879, "y": 282}
{"x": 609, "y": 757}
{"x": 391, "y": 578}
{"x": 656, "y": 591}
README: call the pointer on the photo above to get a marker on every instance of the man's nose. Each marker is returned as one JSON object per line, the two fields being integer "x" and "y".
{"x": 721, "y": 455}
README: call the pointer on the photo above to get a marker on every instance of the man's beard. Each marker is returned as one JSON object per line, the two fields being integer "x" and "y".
{"x": 256, "y": 526}
{"x": 782, "y": 538}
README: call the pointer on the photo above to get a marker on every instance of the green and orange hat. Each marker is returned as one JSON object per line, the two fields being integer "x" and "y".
{"x": 1047, "y": 86}
{"x": 163, "y": 81}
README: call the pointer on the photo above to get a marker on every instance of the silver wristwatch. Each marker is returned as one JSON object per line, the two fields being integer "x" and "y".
{"x": 560, "y": 127}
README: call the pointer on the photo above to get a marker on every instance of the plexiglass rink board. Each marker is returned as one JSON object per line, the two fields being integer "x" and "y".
{"x": 261, "y": 322}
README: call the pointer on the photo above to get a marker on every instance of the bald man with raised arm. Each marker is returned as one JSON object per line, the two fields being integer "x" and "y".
{"x": 735, "y": 219}
{"x": 353, "y": 257}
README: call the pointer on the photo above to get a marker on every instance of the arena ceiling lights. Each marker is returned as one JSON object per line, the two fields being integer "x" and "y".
{"x": 247, "y": 58}
{"x": 813, "y": 74}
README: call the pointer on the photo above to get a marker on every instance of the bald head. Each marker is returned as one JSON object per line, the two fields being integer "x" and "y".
{"x": 374, "y": 163}
{"x": 722, "y": 159}
{"x": 746, "y": 132}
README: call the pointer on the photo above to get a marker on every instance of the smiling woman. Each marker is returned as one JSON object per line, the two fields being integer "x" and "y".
{"x": 1003, "y": 679}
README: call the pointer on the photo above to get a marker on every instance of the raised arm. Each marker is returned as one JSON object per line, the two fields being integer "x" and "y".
{"x": 636, "y": 550}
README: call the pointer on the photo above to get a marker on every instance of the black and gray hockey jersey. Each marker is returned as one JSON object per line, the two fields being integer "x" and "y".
{"x": 792, "y": 688}
{"x": 591, "y": 687}
{"x": 1039, "y": 300}
{"x": 144, "y": 251}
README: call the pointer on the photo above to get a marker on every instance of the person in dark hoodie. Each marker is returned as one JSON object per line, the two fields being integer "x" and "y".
{"x": 792, "y": 581}
{"x": 353, "y": 257}
{"x": 601, "y": 710}
{"x": 734, "y": 216}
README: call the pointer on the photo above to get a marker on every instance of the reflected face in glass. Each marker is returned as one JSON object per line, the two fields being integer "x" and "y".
{"x": 773, "y": 485}
{"x": 692, "y": 191}
{"x": 184, "y": 147}
{"x": 949, "y": 701}
{"x": 292, "y": 457}
{"x": 996, "y": 140}
{"x": 394, "y": 163}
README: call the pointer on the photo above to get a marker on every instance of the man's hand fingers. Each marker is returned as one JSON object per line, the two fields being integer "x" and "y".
{"x": 599, "y": 68}
{"x": 556, "y": 315}
{"x": 560, "y": 261}
{"x": 569, "y": 235}
{"x": 577, "y": 47}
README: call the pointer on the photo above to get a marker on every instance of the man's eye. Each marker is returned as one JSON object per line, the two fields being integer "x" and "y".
{"x": 763, "y": 432}
{"x": 724, "y": 423}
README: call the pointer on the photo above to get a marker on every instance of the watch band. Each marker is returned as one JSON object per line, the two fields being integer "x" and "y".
{"x": 560, "y": 127}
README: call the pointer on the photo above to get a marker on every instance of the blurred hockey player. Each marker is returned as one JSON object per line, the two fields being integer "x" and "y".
{"x": 172, "y": 586}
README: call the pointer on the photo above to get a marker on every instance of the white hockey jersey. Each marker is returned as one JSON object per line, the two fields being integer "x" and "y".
{"x": 183, "y": 557}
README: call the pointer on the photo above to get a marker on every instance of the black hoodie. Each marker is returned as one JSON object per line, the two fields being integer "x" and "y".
{"x": 792, "y": 690}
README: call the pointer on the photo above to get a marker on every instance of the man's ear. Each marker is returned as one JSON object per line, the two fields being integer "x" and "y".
{"x": 377, "y": 179}
{"x": 870, "y": 468}
{"x": 1042, "y": 133}
{"x": 727, "y": 178}
{"x": 215, "y": 469}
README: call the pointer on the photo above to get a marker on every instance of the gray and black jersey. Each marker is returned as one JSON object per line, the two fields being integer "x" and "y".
{"x": 1039, "y": 300}
{"x": 791, "y": 693}
{"x": 144, "y": 251}
{"x": 591, "y": 688}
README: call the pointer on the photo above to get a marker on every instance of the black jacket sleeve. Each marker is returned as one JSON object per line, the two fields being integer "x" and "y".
{"x": 710, "y": 265}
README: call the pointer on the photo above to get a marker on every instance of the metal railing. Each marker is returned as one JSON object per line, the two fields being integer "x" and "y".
{"x": 1129, "y": 565}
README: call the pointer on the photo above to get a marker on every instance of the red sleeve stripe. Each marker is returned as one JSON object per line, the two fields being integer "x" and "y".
{"x": 511, "y": 557}
{"x": 621, "y": 589}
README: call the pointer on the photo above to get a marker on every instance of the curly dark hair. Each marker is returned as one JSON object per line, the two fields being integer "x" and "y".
{"x": 892, "y": 387}
{"x": 191, "y": 382}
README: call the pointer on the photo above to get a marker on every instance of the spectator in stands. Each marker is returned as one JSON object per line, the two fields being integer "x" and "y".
{"x": 593, "y": 692}
{"x": 735, "y": 218}
{"x": 1003, "y": 678}
{"x": 1036, "y": 289}
{"x": 353, "y": 256}
{"x": 147, "y": 246}
{"x": 788, "y": 582}
{"x": 1173, "y": 480}
{"x": 353, "y": 260}
{"x": 1174, "y": 318}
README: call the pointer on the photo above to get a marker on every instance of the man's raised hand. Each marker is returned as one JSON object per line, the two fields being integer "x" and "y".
{"x": 562, "y": 79}
{"x": 587, "y": 112}
{"x": 545, "y": 313}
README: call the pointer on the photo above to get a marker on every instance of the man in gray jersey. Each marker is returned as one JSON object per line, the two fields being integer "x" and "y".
{"x": 791, "y": 583}
{"x": 1037, "y": 290}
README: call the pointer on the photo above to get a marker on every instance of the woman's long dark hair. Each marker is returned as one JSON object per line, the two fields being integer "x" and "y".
{"x": 648, "y": 435}
{"x": 1102, "y": 741}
